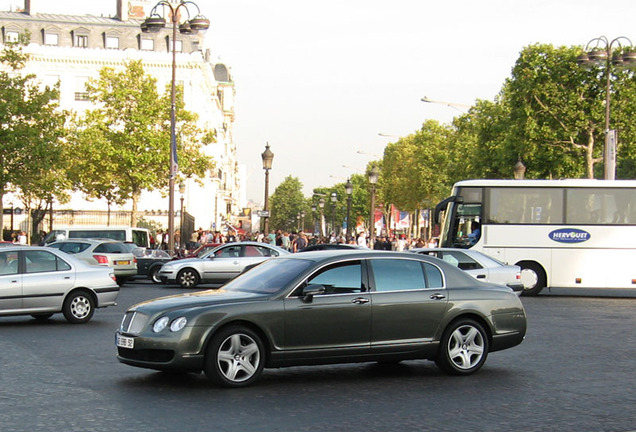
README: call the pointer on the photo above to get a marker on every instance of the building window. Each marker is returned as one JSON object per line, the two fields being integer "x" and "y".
{"x": 112, "y": 42}
{"x": 80, "y": 41}
{"x": 178, "y": 46}
{"x": 51, "y": 39}
{"x": 80, "y": 88}
{"x": 147, "y": 45}
{"x": 11, "y": 36}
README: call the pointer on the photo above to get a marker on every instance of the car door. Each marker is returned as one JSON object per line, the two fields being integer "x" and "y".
{"x": 225, "y": 264}
{"x": 409, "y": 300}
{"x": 46, "y": 280}
{"x": 10, "y": 282}
{"x": 335, "y": 323}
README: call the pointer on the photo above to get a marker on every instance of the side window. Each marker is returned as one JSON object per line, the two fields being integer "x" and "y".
{"x": 342, "y": 278}
{"x": 229, "y": 252}
{"x": 43, "y": 261}
{"x": 254, "y": 251}
{"x": 461, "y": 260}
{"x": 8, "y": 263}
{"x": 397, "y": 274}
{"x": 433, "y": 276}
{"x": 73, "y": 248}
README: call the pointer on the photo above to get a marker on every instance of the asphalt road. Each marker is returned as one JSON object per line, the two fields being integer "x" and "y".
{"x": 576, "y": 371}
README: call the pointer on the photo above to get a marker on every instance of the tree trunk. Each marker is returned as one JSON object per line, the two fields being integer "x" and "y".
{"x": 133, "y": 213}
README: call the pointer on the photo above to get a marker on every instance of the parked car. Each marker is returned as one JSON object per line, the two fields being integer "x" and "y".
{"x": 202, "y": 250}
{"x": 42, "y": 281}
{"x": 478, "y": 265}
{"x": 326, "y": 307}
{"x": 219, "y": 265}
{"x": 104, "y": 252}
{"x": 330, "y": 246}
{"x": 149, "y": 261}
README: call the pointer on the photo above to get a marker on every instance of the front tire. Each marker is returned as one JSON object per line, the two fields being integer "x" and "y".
{"x": 463, "y": 348}
{"x": 533, "y": 278}
{"x": 188, "y": 278}
{"x": 78, "y": 307}
{"x": 235, "y": 357}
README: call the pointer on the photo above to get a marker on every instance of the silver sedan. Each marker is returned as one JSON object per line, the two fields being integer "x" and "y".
{"x": 42, "y": 281}
{"x": 218, "y": 266}
{"x": 478, "y": 265}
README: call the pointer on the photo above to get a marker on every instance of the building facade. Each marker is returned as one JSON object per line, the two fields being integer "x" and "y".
{"x": 73, "y": 49}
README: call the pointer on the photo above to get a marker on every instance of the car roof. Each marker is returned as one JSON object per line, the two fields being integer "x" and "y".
{"x": 86, "y": 240}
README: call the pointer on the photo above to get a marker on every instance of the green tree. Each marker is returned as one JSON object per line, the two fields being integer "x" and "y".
{"x": 128, "y": 137}
{"x": 32, "y": 156}
{"x": 557, "y": 111}
{"x": 286, "y": 203}
{"x": 415, "y": 169}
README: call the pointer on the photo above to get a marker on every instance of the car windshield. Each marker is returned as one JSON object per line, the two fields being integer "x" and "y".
{"x": 268, "y": 277}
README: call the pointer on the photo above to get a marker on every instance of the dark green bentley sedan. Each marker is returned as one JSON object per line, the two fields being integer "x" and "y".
{"x": 325, "y": 307}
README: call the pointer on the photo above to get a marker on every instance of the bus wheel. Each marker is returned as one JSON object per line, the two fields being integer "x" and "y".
{"x": 532, "y": 277}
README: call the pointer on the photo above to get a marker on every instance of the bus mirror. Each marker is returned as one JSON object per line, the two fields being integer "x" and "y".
{"x": 442, "y": 206}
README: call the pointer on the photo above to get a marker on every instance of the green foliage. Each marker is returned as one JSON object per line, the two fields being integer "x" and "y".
{"x": 33, "y": 158}
{"x": 286, "y": 203}
{"x": 415, "y": 169}
{"x": 128, "y": 138}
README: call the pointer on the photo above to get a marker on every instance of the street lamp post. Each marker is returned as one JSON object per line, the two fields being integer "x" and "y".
{"x": 373, "y": 179}
{"x": 334, "y": 199}
{"x": 268, "y": 158}
{"x": 600, "y": 52}
{"x": 321, "y": 205}
{"x": 182, "y": 189}
{"x": 302, "y": 221}
{"x": 155, "y": 23}
{"x": 348, "y": 191}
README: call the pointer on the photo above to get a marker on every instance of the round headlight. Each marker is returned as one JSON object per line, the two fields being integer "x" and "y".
{"x": 160, "y": 324}
{"x": 178, "y": 324}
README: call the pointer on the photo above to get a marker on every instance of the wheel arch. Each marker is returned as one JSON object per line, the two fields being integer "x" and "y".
{"x": 89, "y": 291}
{"x": 267, "y": 344}
{"x": 475, "y": 317}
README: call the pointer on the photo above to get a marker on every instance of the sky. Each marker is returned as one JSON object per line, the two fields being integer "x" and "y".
{"x": 329, "y": 84}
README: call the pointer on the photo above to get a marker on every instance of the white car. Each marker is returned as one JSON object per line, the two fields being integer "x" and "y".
{"x": 103, "y": 252}
{"x": 218, "y": 266}
{"x": 478, "y": 265}
{"x": 41, "y": 281}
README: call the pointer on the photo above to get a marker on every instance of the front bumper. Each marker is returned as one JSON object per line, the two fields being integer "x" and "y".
{"x": 160, "y": 353}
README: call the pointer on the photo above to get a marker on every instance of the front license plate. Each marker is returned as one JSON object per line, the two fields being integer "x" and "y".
{"x": 125, "y": 342}
{"x": 122, "y": 262}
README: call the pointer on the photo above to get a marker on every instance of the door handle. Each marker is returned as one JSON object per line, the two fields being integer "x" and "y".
{"x": 481, "y": 276}
{"x": 360, "y": 300}
{"x": 438, "y": 296}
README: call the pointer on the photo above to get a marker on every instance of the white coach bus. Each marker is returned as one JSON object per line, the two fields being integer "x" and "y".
{"x": 562, "y": 233}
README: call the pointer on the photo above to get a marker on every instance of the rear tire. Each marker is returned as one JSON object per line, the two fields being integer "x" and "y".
{"x": 154, "y": 275}
{"x": 78, "y": 307}
{"x": 463, "y": 348}
{"x": 533, "y": 278}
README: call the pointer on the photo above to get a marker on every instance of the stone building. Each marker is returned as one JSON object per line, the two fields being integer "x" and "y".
{"x": 72, "y": 49}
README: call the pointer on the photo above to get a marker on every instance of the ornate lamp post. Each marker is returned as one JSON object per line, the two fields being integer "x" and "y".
{"x": 373, "y": 179}
{"x": 348, "y": 191}
{"x": 519, "y": 170}
{"x": 313, "y": 219}
{"x": 600, "y": 52}
{"x": 268, "y": 158}
{"x": 321, "y": 204}
{"x": 302, "y": 221}
{"x": 334, "y": 199}
{"x": 154, "y": 23}
{"x": 182, "y": 189}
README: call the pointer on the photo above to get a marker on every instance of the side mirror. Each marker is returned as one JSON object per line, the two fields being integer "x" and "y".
{"x": 311, "y": 290}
